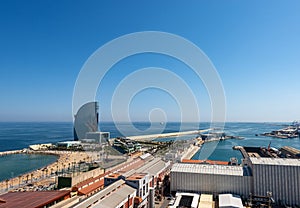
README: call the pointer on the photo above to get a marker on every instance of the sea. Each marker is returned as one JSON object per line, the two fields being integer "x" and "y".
{"x": 18, "y": 135}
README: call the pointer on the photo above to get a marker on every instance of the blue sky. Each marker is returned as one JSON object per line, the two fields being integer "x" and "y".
{"x": 254, "y": 45}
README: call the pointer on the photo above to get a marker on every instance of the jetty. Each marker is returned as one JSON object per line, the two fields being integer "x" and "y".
{"x": 166, "y": 135}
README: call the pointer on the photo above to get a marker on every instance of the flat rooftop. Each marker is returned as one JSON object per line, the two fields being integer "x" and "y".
{"x": 208, "y": 169}
{"x": 275, "y": 161}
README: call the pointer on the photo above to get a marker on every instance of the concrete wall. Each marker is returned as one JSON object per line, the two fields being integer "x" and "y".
{"x": 83, "y": 176}
{"x": 210, "y": 183}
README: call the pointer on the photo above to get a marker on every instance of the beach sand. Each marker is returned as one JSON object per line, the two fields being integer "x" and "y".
{"x": 66, "y": 159}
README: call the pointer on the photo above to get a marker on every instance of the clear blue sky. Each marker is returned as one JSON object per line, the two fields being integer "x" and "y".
{"x": 254, "y": 45}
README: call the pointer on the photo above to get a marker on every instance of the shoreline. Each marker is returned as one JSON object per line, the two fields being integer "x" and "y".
{"x": 45, "y": 174}
{"x": 31, "y": 153}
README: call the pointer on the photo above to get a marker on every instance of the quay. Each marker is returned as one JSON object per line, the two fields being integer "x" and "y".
{"x": 190, "y": 152}
{"x": 165, "y": 135}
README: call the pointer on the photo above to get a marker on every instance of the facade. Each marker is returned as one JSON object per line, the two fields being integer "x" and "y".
{"x": 98, "y": 137}
{"x": 139, "y": 181}
{"x": 279, "y": 176}
{"x": 86, "y": 120}
{"x": 262, "y": 177}
{"x": 210, "y": 179}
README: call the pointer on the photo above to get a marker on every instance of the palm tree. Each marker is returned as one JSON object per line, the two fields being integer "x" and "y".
{"x": 6, "y": 181}
{"x": 20, "y": 180}
{"x": 31, "y": 175}
{"x": 27, "y": 176}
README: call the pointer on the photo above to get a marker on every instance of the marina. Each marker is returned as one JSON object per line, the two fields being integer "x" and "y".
{"x": 289, "y": 132}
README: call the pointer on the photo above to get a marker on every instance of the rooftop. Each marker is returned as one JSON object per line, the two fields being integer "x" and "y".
{"x": 228, "y": 200}
{"x": 208, "y": 169}
{"x": 31, "y": 199}
{"x": 110, "y": 196}
{"x": 116, "y": 197}
{"x": 275, "y": 161}
{"x": 136, "y": 176}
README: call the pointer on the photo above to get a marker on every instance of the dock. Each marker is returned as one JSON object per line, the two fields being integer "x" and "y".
{"x": 165, "y": 135}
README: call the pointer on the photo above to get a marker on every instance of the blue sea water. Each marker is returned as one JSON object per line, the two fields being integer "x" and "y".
{"x": 20, "y": 135}
{"x": 16, "y": 164}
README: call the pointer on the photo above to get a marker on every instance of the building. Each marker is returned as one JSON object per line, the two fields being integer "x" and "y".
{"x": 186, "y": 200}
{"x": 86, "y": 120}
{"x": 140, "y": 182}
{"x": 206, "y": 201}
{"x": 66, "y": 145}
{"x": 116, "y": 195}
{"x": 230, "y": 201}
{"x": 37, "y": 147}
{"x": 278, "y": 176}
{"x": 211, "y": 179}
{"x": 29, "y": 199}
{"x": 98, "y": 137}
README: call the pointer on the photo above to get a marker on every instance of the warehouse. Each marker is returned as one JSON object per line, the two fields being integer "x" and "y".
{"x": 213, "y": 179}
{"x": 279, "y": 176}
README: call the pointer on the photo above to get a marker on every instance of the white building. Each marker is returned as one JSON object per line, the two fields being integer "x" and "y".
{"x": 280, "y": 176}
{"x": 98, "y": 136}
{"x": 212, "y": 179}
{"x": 230, "y": 201}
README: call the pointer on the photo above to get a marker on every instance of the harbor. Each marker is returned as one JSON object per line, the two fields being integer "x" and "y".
{"x": 292, "y": 131}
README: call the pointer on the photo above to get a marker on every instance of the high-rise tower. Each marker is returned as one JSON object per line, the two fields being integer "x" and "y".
{"x": 86, "y": 120}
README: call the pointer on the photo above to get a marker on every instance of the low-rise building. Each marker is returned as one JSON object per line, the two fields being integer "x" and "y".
{"x": 212, "y": 179}
{"x": 230, "y": 201}
{"x": 116, "y": 195}
{"x": 29, "y": 199}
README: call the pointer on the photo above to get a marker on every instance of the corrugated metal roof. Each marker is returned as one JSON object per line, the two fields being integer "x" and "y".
{"x": 275, "y": 161}
{"x": 115, "y": 198}
{"x": 153, "y": 167}
{"x": 208, "y": 169}
{"x": 31, "y": 199}
{"x": 101, "y": 194}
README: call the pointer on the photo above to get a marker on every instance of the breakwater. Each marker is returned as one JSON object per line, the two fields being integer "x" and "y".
{"x": 166, "y": 135}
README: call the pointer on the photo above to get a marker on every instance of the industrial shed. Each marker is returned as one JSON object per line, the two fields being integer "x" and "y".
{"x": 213, "y": 179}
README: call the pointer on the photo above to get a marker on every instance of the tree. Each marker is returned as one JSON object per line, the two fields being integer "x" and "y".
{"x": 31, "y": 176}
{"x": 20, "y": 180}
{"x": 6, "y": 181}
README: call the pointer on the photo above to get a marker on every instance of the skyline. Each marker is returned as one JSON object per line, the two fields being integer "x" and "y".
{"x": 253, "y": 46}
